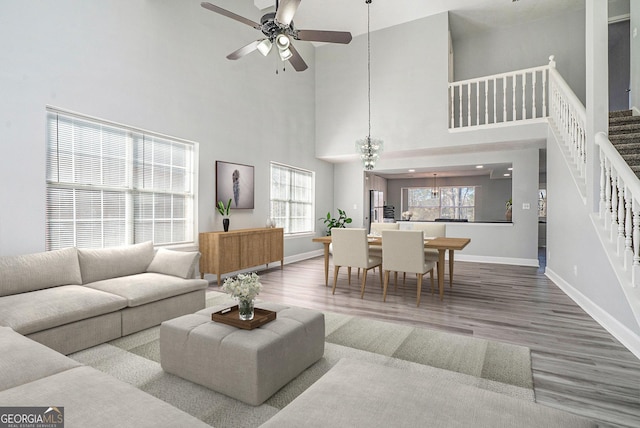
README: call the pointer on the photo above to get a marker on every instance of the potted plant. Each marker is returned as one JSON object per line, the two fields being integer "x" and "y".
{"x": 332, "y": 222}
{"x": 224, "y": 212}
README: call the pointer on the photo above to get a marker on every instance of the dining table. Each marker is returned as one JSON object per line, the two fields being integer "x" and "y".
{"x": 442, "y": 244}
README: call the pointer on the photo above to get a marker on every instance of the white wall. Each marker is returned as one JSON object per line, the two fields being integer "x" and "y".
{"x": 575, "y": 256}
{"x": 498, "y": 50}
{"x": 156, "y": 65}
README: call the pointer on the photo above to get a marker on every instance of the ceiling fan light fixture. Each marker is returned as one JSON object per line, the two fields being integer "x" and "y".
{"x": 282, "y": 41}
{"x": 264, "y": 47}
{"x": 285, "y": 54}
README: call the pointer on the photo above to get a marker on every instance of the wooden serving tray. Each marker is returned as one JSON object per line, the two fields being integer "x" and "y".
{"x": 230, "y": 316}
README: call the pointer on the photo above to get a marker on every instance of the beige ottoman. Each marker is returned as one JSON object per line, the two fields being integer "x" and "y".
{"x": 249, "y": 365}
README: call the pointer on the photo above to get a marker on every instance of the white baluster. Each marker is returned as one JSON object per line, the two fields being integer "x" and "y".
{"x": 524, "y": 96}
{"x": 635, "y": 272}
{"x": 469, "y": 104}
{"x": 486, "y": 102}
{"x": 544, "y": 92}
{"x": 513, "y": 93}
{"x": 614, "y": 205}
{"x": 451, "y": 106}
{"x": 534, "y": 111}
{"x": 504, "y": 99}
{"x": 495, "y": 107}
{"x": 478, "y": 103}
{"x": 460, "y": 105}
{"x": 620, "y": 237}
{"x": 602, "y": 206}
{"x": 628, "y": 229}
{"x": 607, "y": 190}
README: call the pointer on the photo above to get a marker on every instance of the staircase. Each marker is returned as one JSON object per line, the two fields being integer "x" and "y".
{"x": 624, "y": 134}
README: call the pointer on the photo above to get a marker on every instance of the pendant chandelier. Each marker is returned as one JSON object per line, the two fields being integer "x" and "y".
{"x": 369, "y": 148}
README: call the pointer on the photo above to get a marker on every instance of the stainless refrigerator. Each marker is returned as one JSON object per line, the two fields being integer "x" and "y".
{"x": 376, "y": 204}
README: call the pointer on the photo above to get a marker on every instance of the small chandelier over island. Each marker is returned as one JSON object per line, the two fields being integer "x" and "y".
{"x": 369, "y": 148}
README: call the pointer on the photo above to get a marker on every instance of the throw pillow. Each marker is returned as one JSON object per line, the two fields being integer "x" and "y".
{"x": 177, "y": 263}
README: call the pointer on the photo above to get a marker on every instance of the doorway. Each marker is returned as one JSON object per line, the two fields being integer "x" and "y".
{"x": 619, "y": 65}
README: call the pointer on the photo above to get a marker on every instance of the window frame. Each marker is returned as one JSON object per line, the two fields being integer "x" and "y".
{"x": 184, "y": 201}
{"x": 285, "y": 221}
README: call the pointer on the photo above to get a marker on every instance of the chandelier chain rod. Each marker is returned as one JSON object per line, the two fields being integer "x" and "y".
{"x": 369, "y": 62}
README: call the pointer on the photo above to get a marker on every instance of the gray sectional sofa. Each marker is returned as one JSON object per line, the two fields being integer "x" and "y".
{"x": 72, "y": 299}
{"x": 34, "y": 375}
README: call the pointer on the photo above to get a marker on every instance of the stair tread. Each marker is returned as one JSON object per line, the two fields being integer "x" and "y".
{"x": 628, "y": 128}
{"x": 628, "y": 137}
{"x": 623, "y": 119}
{"x": 620, "y": 113}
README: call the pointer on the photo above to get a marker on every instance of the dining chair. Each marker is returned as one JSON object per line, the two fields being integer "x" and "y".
{"x": 434, "y": 230}
{"x": 376, "y": 230}
{"x": 403, "y": 251}
{"x": 351, "y": 249}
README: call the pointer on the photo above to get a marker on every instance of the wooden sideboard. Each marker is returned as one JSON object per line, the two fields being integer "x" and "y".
{"x": 224, "y": 252}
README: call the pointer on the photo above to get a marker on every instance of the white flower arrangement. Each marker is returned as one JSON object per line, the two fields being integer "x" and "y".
{"x": 243, "y": 287}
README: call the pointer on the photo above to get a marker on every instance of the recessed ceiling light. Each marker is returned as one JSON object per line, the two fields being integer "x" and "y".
{"x": 510, "y": 169}
{"x": 507, "y": 175}
{"x": 479, "y": 166}
{"x": 412, "y": 170}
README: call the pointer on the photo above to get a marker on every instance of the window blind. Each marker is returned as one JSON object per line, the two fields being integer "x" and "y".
{"x": 292, "y": 198}
{"x": 111, "y": 185}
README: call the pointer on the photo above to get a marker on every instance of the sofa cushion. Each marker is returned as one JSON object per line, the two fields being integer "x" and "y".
{"x": 360, "y": 393}
{"x": 22, "y": 360}
{"x": 43, "y": 309}
{"x": 104, "y": 263}
{"x": 177, "y": 263}
{"x": 148, "y": 287}
{"x": 94, "y": 399}
{"x": 19, "y": 274}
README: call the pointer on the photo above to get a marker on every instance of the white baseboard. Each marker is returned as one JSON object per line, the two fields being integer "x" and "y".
{"x": 303, "y": 256}
{"x": 635, "y": 111}
{"x": 621, "y": 332}
{"x": 497, "y": 260}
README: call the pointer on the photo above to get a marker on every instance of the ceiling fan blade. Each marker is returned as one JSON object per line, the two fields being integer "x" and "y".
{"x": 244, "y": 50}
{"x": 324, "y": 36}
{"x": 231, "y": 15}
{"x": 296, "y": 60}
{"x": 286, "y": 10}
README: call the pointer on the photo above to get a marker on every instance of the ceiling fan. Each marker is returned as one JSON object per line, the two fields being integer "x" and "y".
{"x": 279, "y": 30}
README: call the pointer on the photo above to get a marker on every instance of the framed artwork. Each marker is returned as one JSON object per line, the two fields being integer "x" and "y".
{"x": 235, "y": 181}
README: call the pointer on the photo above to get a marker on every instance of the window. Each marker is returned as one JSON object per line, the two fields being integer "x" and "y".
{"x": 110, "y": 185}
{"x": 292, "y": 198}
{"x": 458, "y": 202}
{"x": 448, "y": 202}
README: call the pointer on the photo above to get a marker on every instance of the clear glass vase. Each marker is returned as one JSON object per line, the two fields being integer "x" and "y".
{"x": 245, "y": 309}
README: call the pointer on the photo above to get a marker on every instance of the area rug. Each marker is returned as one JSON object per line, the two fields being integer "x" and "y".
{"x": 497, "y": 367}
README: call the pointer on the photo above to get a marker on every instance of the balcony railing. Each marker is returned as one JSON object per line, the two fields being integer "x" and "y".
{"x": 500, "y": 98}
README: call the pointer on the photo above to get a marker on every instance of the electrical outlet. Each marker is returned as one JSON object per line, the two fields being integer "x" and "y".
{"x": 575, "y": 270}
{"x": 355, "y": 206}
{"x": 635, "y": 32}
{"x": 526, "y": 206}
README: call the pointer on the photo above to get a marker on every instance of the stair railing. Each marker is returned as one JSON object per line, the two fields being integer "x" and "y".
{"x": 499, "y": 99}
{"x": 620, "y": 207}
{"x": 570, "y": 116}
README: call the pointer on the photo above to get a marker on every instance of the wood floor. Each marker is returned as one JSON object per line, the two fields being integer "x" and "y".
{"x": 577, "y": 365}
